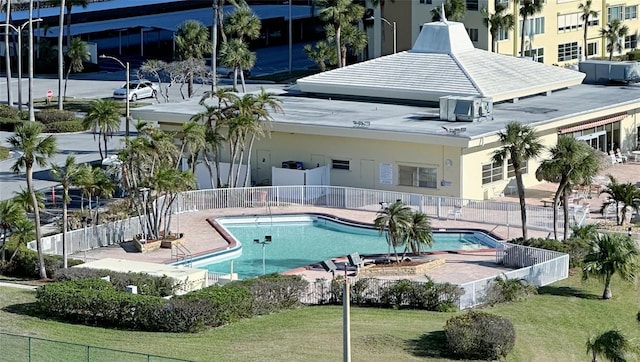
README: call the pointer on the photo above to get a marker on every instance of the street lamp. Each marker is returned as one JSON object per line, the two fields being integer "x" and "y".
{"x": 267, "y": 240}
{"x": 395, "y": 34}
{"x": 127, "y": 113}
{"x": 19, "y": 29}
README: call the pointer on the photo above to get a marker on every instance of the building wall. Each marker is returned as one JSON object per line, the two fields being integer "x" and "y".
{"x": 548, "y": 41}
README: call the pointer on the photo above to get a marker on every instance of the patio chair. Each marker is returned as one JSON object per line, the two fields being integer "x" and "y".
{"x": 620, "y": 156}
{"x": 329, "y": 266}
{"x": 613, "y": 158}
{"x": 456, "y": 212}
{"x": 356, "y": 261}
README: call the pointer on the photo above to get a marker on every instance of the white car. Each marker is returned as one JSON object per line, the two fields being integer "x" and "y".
{"x": 138, "y": 89}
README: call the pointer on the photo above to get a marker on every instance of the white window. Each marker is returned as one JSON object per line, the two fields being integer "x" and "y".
{"x": 615, "y": 12}
{"x": 631, "y": 12}
{"x": 631, "y": 41}
{"x": 569, "y": 22}
{"x": 472, "y": 5}
{"x": 534, "y": 26}
{"x": 592, "y": 48}
{"x": 340, "y": 165}
{"x": 492, "y": 172}
{"x": 473, "y": 34}
{"x": 536, "y": 54}
{"x": 511, "y": 171}
{"x": 426, "y": 177}
{"x": 568, "y": 51}
{"x": 503, "y": 34}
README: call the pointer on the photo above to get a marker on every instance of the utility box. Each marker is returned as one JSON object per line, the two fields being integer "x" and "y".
{"x": 131, "y": 289}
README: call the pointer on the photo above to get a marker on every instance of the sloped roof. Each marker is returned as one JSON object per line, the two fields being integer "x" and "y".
{"x": 442, "y": 62}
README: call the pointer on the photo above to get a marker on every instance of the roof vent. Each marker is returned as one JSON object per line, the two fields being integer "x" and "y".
{"x": 466, "y": 109}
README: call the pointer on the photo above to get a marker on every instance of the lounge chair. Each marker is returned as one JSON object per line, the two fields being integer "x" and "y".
{"x": 456, "y": 212}
{"x": 356, "y": 261}
{"x": 329, "y": 266}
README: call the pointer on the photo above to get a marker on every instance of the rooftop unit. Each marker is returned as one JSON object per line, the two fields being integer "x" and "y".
{"x": 466, "y": 109}
{"x": 603, "y": 71}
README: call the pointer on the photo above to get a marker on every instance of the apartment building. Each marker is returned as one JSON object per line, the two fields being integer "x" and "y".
{"x": 554, "y": 36}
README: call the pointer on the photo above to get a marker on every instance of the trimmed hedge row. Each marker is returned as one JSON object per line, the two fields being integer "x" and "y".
{"x": 147, "y": 284}
{"x": 48, "y": 116}
{"x": 429, "y": 295}
{"x": 64, "y": 126}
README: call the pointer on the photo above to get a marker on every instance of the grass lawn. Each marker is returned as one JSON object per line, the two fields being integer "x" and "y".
{"x": 552, "y": 326}
{"x": 82, "y": 104}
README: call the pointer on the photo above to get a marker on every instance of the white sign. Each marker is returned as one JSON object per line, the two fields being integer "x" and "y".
{"x": 386, "y": 174}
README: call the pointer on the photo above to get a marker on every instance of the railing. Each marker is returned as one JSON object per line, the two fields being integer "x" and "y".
{"x": 180, "y": 253}
{"x": 26, "y": 348}
{"x": 486, "y": 212}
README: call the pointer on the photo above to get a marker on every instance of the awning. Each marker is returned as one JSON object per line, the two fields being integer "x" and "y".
{"x": 601, "y": 121}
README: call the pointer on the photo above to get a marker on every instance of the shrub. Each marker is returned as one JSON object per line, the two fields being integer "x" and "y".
{"x": 4, "y": 153}
{"x": 25, "y": 264}
{"x": 427, "y": 295}
{"x": 479, "y": 335}
{"x": 64, "y": 126}
{"x": 577, "y": 248}
{"x": 147, "y": 284}
{"x": 9, "y": 112}
{"x": 48, "y": 116}
{"x": 398, "y": 294}
{"x": 274, "y": 292}
{"x": 232, "y": 302}
{"x": 9, "y": 124}
{"x": 508, "y": 290}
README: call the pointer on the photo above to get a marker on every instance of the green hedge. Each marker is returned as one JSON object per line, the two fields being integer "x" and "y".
{"x": 9, "y": 112}
{"x": 274, "y": 292}
{"x": 576, "y": 248}
{"x": 64, "y": 126}
{"x": 25, "y": 264}
{"x": 233, "y": 302}
{"x": 9, "y": 124}
{"x": 48, "y": 116}
{"x": 147, "y": 284}
{"x": 479, "y": 335}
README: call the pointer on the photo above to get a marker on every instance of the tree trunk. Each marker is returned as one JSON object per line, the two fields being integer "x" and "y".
{"x": 64, "y": 95}
{"x": 524, "y": 22}
{"x": 235, "y": 79}
{"x": 246, "y": 174}
{"x": 36, "y": 212}
{"x": 190, "y": 85}
{"x": 104, "y": 137}
{"x": 555, "y": 213}
{"x": 338, "y": 47}
{"x": 244, "y": 86}
{"x": 607, "y": 287}
{"x": 64, "y": 228}
{"x": 586, "y": 22}
{"x": 523, "y": 205}
{"x": 565, "y": 209}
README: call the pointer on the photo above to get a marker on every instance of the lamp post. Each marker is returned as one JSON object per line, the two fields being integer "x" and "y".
{"x": 395, "y": 33}
{"x": 19, "y": 29}
{"x": 127, "y": 111}
{"x": 267, "y": 240}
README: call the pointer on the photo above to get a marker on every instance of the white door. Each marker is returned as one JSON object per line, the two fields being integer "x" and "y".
{"x": 263, "y": 166}
{"x": 367, "y": 174}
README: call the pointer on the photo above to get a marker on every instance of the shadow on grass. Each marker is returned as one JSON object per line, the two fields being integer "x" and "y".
{"x": 566, "y": 292}
{"x": 433, "y": 344}
{"x": 28, "y": 309}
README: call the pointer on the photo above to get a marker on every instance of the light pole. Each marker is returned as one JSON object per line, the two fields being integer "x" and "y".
{"x": 267, "y": 240}
{"x": 127, "y": 111}
{"x": 19, "y": 29}
{"x": 395, "y": 33}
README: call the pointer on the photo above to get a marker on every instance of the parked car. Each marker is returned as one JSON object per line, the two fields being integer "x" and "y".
{"x": 138, "y": 89}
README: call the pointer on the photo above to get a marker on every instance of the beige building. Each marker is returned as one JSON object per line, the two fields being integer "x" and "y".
{"x": 427, "y": 120}
{"x": 554, "y": 36}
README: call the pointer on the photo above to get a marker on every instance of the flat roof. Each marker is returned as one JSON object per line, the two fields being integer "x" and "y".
{"x": 333, "y": 116}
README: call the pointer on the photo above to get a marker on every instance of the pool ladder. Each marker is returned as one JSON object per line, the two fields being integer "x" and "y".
{"x": 180, "y": 253}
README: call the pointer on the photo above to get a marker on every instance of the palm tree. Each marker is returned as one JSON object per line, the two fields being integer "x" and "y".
{"x": 497, "y": 21}
{"x": 192, "y": 42}
{"x": 613, "y": 33}
{"x": 419, "y": 233}
{"x": 35, "y": 150}
{"x": 572, "y": 162}
{"x": 453, "y": 10}
{"x": 193, "y": 139}
{"x": 611, "y": 254}
{"x": 10, "y": 213}
{"x": 394, "y": 219}
{"x": 23, "y": 232}
{"x": 612, "y": 345}
{"x": 235, "y": 53}
{"x": 519, "y": 144}
{"x": 321, "y": 53}
{"x": 23, "y": 199}
{"x": 103, "y": 118}
{"x": 339, "y": 13}
{"x": 67, "y": 176}
{"x": 77, "y": 52}
{"x": 353, "y": 40}
{"x": 528, "y": 8}
{"x": 587, "y": 13}
{"x": 624, "y": 196}
{"x": 69, "y": 4}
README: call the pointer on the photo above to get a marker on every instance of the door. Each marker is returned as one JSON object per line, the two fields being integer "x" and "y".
{"x": 367, "y": 174}
{"x": 263, "y": 166}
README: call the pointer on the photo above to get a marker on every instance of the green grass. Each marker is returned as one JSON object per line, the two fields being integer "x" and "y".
{"x": 552, "y": 326}
{"x": 80, "y": 104}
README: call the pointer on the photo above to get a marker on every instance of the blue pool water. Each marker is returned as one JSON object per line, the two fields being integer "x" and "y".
{"x": 305, "y": 239}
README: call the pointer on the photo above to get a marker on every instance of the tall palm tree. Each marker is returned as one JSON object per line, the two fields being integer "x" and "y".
{"x": 103, "y": 118}
{"x": 394, "y": 220}
{"x": 612, "y": 345}
{"x": 69, "y": 4}
{"x": 586, "y": 13}
{"x": 453, "y": 10}
{"x": 497, "y": 21}
{"x": 611, "y": 254}
{"x": 572, "y": 162}
{"x": 66, "y": 175}
{"x": 192, "y": 42}
{"x": 528, "y": 8}
{"x": 193, "y": 139}
{"x": 613, "y": 33}
{"x": 321, "y": 54}
{"x": 519, "y": 144}
{"x": 624, "y": 196}
{"x": 235, "y": 53}
{"x": 419, "y": 233}
{"x": 243, "y": 23}
{"x": 353, "y": 40}
{"x": 10, "y": 213}
{"x": 36, "y": 150}
{"x": 23, "y": 199}
{"x": 77, "y": 52}
{"x": 339, "y": 13}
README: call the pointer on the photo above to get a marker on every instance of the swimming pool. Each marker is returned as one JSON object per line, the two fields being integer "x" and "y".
{"x": 299, "y": 240}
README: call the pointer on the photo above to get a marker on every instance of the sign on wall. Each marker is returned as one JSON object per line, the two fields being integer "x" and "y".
{"x": 386, "y": 174}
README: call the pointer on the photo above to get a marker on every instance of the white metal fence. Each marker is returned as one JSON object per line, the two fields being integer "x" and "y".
{"x": 486, "y": 212}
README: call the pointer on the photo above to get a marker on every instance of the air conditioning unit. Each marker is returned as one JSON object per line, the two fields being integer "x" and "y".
{"x": 466, "y": 109}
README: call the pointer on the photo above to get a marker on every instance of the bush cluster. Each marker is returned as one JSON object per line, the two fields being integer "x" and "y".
{"x": 147, "y": 284}
{"x": 25, "y": 264}
{"x": 64, "y": 126}
{"x": 429, "y": 295}
{"x": 9, "y": 112}
{"x": 479, "y": 335}
{"x": 508, "y": 290}
{"x": 48, "y": 116}
{"x": 576, "y": 248}
{"x": 9, "y": 124}
{"x": 274, "y": 292}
